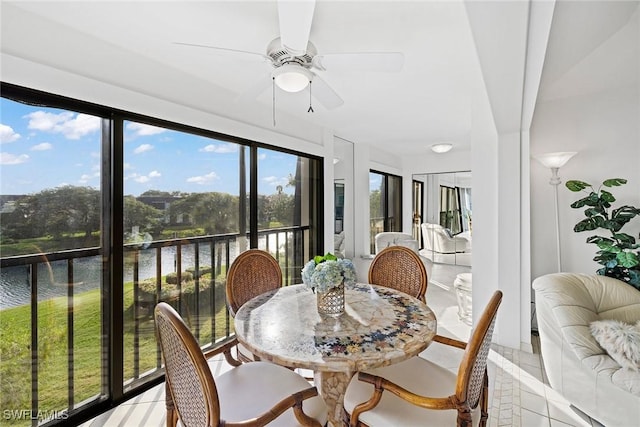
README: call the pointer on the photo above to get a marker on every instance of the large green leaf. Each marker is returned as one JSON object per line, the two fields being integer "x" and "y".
{"x": 598, "y": 239}
{"x": 614, "y": 226}
{"x": 608, "y": 247}
{"x": 591, "y": 212}
{"x": 584, "y": 225}
{"x": 628, "y": 259}
{"x": 575, "y": 185}
{"x": 585, "y": 201}
{"x": 607, "y": 197}
{"x": 614, "y": 182}
{"x": 625, "y": 211}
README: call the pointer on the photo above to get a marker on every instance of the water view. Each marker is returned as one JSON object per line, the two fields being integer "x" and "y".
{"x": 15, "y": 282}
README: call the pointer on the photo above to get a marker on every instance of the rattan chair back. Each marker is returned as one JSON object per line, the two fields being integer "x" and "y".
{"x": 190, "y": 382}
{"x": 252, "y": 273}
{"x": 472, "y": 370}
{"x": 399, "y": 268}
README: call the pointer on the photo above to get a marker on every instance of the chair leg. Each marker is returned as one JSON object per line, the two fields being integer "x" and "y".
{"x": 484, "y": 401}
{"x": 464, "y": 417}
{"x": 230, "y": 359}
{"x": 172, "y": 414}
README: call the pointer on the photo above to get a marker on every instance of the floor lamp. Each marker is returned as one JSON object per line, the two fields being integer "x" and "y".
{"x": 555, "y": 161}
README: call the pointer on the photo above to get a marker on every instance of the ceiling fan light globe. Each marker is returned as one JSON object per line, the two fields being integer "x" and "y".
{"x": 292, "y": 78}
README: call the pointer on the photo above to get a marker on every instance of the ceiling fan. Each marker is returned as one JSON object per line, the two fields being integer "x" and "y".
{"x": 294, "y": 60}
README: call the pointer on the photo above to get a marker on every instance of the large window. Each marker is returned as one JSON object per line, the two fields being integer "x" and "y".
{"x": 385, "y": 204}
{"x": 52, "y": 337}
{"x": 103, "y": 214}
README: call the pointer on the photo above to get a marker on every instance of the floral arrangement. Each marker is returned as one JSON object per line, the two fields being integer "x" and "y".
{"x": 325, "y": 272}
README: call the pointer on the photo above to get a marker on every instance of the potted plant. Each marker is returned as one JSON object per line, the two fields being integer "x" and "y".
{"x": 618, "y": 252}
{"x": 326, "y": 276}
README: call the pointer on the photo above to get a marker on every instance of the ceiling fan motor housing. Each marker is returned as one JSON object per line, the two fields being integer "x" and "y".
{"x": 280, "y": 55}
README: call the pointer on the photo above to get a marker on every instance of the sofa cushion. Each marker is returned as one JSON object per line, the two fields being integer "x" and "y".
{"x": 620, "y": 340}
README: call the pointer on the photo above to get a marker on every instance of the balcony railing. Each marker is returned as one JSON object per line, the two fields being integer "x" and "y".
{"x": 197, "y": 267}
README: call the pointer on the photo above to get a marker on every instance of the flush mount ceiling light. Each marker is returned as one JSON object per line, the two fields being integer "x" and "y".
{"x": 441, "y": 148}
{"x": 292, "y": 77}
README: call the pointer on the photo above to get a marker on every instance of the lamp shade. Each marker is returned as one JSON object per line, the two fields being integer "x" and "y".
{"x": 291, "y": 77}
{"x": 555, "y": 160}
{"x": 441, "y": 148}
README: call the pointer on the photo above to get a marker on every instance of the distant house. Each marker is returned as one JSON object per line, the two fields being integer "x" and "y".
{"x": 162, "y": 203}
{"x": 8, "y": 202}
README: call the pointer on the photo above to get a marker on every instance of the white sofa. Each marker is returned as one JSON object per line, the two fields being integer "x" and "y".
{"x": 392, "y": 238}
{"x": 436, "y": 238}
{"x": 577, "y": 367}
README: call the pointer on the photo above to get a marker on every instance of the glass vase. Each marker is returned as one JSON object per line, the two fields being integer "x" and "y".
{"x": 331, "y": 302}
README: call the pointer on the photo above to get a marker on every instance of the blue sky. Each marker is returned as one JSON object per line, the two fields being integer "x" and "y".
{"x": 46, "y": 147}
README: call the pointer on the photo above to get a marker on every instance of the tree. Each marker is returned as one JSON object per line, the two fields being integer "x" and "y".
{"x": 141, "y": 215}
{"x": 216, "y": 212}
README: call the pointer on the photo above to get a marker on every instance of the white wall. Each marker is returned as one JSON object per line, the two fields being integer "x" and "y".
{"x": 604, "y": 128}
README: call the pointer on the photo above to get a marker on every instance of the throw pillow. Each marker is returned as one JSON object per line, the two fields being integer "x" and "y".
{"x": 620, "y": 340}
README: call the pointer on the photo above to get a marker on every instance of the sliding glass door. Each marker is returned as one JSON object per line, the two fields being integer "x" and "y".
{"x": 385, "y": 204}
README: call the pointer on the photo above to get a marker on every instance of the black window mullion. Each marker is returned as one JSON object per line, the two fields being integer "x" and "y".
{"x": 113, "y": 212}
{"x": 253, "y": 197}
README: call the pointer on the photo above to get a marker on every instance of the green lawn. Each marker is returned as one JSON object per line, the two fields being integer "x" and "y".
{"x": 15, "y": 342}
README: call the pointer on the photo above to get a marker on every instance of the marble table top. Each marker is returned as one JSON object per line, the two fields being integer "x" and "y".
{"x": 380, "y": 326}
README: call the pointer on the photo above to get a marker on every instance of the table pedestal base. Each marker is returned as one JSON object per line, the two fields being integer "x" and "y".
{"x": 332, "y": 387}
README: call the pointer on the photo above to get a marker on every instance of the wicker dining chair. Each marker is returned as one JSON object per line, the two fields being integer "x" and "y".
{"x": 251, "y": 394}
{"x": 400, "y": 268}
{"x": 411, "y": 384}
{"x": 252, "y": 273}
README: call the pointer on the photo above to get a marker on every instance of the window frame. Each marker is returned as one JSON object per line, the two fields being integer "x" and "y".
{"x": 112, "y": 215}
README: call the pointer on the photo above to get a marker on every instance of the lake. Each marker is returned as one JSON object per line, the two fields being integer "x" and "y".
{"x": 15, "y": 282}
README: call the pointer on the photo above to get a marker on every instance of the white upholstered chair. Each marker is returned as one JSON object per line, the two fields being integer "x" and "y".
{"x": 436, "y": 238}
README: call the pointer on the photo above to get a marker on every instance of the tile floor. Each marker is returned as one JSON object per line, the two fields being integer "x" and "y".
{"x": 519, "y": 392}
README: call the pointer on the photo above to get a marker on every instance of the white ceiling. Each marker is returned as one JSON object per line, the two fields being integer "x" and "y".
{"x": 452, "y": 69}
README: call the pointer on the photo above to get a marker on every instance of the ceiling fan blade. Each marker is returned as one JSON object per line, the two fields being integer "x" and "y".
{"x": 361, "y": 61}
{"x": 295, "y": 24}
{"x": 241, "y": 54}
{"x": 255, "y": 90}
{"x": 325, "y": 95}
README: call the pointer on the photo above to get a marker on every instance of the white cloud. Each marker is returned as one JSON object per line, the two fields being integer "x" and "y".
{"x": 204, "y": 179}
{"x": 220, "y": 148}
{"x": 143, "y": 178}
{"x": 140, "y": 129}
{"x": 12, "y": 159}
{"x": 128, "y": 166}
{"x": 262, "y": 156}
{"x": 143, "y": 148}
{"x": 275, "y": 181}
{"x": 7, "y": 134}
{"x": 70, "y": 125}
{"x": 42, "y": 147}
{"x": 85, "y": 178}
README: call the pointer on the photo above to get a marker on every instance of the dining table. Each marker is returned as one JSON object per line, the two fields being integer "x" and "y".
{"x": 380, "y": 326}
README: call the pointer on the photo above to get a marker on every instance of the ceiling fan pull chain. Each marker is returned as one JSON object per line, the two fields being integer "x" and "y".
{"x": 273, "y": 106}
{"x": 310, "y": 110}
